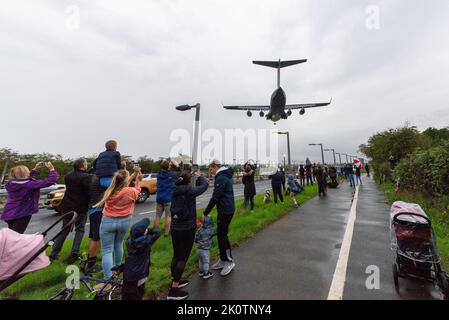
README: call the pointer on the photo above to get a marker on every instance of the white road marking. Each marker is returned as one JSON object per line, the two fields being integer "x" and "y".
{"x": 147, "y": 212}
{"x": 339, "y": 279}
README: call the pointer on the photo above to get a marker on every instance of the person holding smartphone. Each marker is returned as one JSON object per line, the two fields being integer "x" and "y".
{"x": 23, "y": 195}
{"x": 119, "y": 202}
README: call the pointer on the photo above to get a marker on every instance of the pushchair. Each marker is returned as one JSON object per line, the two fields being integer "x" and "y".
{"x": 21, "y": 254}
{"x": 414, "y": 242}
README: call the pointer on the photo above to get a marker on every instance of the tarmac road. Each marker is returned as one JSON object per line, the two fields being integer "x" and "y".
{"x": 45, "y": 217}
{"x": 296, "y": 257}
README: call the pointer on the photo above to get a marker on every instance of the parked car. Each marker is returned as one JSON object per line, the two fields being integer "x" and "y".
{"x": 148, "y": 186}
{"x": 54, "y": 198}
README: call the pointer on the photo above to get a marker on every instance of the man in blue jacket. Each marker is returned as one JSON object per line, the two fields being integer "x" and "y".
{"x": 223, "y": 198}
{"x": 163, "y": 196}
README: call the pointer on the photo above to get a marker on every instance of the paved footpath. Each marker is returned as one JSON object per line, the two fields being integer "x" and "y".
{"x": 296, "y": 257}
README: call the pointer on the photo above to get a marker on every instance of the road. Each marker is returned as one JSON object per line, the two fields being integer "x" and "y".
{"x": 297, "y": 256}
{"x": 45, "y": 217}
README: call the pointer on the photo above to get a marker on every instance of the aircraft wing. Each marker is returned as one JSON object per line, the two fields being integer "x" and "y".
{"x": 307, "y": 105}
{"x": 251, "y": 108}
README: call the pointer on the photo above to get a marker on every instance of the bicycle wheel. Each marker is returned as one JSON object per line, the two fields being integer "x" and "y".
{"x": 63, "y": 294}
{"x": 115, "y": 293}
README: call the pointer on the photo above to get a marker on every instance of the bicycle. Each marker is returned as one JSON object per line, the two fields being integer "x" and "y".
{"x": 112, "y": 289}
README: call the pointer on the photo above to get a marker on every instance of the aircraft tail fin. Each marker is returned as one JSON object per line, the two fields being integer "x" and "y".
{"x": 279, "y": 64}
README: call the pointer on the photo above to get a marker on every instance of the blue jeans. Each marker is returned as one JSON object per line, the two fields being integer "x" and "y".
{"x": 358, "y": 179}
{"x": 112, "y": 234}
{"x": 351, "y": 180}
{"x": 249, "y": 199}
{"x": 204, "y": 260}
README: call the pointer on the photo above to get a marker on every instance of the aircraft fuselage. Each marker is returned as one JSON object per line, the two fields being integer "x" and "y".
{"x": 277, "y": 105}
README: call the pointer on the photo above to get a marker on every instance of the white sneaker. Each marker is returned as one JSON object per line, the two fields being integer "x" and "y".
{"x": 227, "y": 268}
{"x": 218, "y": 265}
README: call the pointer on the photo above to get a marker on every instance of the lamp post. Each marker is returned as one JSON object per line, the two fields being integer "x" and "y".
{"x": 339, "y": 156}
{"x": 333, "y": 150}
{"x": 322, "y": 152}
{"x": 186, "y": 107}
{"x": 288, "y": 148}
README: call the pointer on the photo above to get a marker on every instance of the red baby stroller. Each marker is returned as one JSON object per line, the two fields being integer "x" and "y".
{"x": 414, "y": 242}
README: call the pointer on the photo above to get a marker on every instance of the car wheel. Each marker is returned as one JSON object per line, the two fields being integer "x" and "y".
{"x": 143, "y": 196}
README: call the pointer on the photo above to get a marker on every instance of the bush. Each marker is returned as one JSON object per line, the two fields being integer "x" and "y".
{"x": 426, "y": 171}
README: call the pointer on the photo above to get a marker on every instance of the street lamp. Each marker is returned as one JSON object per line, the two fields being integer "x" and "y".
{"x": 333, "y": 150}
{"x": 339, "y": 156}
{"x": 322, "y": 152}
{"x": 186, "y": 107}
{"x": 288, "y": 148}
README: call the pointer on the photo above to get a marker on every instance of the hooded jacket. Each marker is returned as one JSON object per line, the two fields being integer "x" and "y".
{"x": 183, "y": 204}
{"x": 293, "y": 185}
{"x": 203, "y": 237}
{"x": 23, "y": 195}
{"x": 223, "y": 195}
{"x": 164, "y": 186}
{"x": 138, "y": 259}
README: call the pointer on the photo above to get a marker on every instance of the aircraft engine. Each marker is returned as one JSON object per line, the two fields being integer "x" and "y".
{"x": 249, "y": 113}
{"x": 302, "y": 111}
{"x": 261, "y": 114}
{"x": 289, "y": 113}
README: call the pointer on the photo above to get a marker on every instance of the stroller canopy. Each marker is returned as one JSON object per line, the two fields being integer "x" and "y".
{"x": 16, "y": 249}
{"x": 415, "y": 212}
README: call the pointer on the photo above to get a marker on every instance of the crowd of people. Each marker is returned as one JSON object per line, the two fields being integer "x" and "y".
{"x": 106, "y": 195}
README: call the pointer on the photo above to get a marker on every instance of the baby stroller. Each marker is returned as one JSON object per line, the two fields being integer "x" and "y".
{"x": 21, "y": 254}
{"x": 414, "y": 242}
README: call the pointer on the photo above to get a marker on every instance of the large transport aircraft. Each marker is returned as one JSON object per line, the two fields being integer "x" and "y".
{"x": 277, "y": 108}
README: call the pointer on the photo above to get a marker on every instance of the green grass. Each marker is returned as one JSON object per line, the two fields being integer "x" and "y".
{"x": 245, "y": 224}
{"x": 435, "y": 208}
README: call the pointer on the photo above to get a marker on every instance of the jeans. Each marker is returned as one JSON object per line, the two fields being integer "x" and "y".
{"x": 309, "y": 179}
{"x": 249, "y": 199}
{"x": 204, "y": 260}
{"x": 112, "y": 234}
{"x": 224, "y": 246}
{"x": 302, "y": 180}
{"x": 80, "y": 223}
{"x": 358, "y": 179}
{"x": 351, "y": 180}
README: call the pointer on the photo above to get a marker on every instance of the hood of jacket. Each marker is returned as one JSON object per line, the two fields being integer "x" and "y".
{"x": 228, "y": 172}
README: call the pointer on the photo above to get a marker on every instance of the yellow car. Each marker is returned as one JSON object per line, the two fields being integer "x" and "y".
{"x": 148, "y": 186}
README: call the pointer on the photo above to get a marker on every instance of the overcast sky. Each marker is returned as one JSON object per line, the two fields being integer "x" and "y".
{"x": 69, "y": 84}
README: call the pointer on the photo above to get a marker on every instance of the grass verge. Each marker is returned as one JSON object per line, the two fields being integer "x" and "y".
{"x": 42, "y": 284}
{"x": 435, "y": 208}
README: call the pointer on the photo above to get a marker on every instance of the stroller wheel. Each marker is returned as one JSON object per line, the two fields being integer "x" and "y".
{"x": 396, "y": 275}
{"x": 443, "y": 284}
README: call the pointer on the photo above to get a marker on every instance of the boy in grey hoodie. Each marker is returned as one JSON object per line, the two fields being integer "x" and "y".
{"x": 203, "y": 239}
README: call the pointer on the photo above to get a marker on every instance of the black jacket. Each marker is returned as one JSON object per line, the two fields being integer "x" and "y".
{"x": 223, "y": 196}
{"x": 277, "y": 180}
{"x": 107, "y": 163}
{"x": 249, "y": 189}
{"x": 138, "y": 260}
{"x": 183, "y": 204}
{"x": 77, "y": 192}
{"x": 96, "y": 191}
